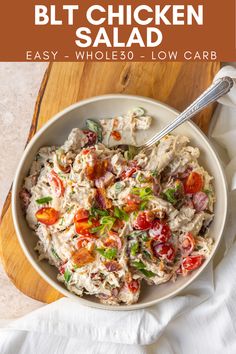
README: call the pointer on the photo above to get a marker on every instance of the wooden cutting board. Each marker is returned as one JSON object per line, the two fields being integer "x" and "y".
{"x": 176, "y": 84}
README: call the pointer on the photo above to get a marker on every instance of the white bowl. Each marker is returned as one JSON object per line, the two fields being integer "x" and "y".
{"x": 57, "y": 130}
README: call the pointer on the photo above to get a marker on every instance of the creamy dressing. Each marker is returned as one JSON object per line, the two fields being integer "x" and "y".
{"x": 83, "y": 176}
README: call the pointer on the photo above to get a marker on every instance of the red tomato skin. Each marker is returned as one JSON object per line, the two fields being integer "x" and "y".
{"x": 47, "y": 215}
{"x": 81, "y": 214}
{"x": 141, "y": 222}
{"x": 163, "y": 250}
{"x": 58, "y": 184}
{"x": 133, "y": 286}
{"x": 192, "y": 262}
{"x": 160, "y": 231}
{"x": 193, "y": 183}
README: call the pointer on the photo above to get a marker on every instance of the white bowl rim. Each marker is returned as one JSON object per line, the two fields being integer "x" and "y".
{"x": 36, "y": 266}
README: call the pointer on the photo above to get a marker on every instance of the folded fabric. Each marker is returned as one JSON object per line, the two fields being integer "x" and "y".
{"x": 201, "y": 319}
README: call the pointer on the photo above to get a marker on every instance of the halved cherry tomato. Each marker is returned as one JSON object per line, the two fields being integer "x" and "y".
{"x": 83, "y": 227}
{"x": 194, "y": 183}
{"x": 142, "y": 222}
{"x": 116, "y": 135}
{"x": 47, "y": 215}
{"x": 81, "y": 214}
{"x": 82, "y": 257}
{"x": 192, "y": 262}
{"x": 160, "y": 231}
{"x": 133, "y": 286}
{"x": 187, "y": 245}
{"x": 58, "y": 184}
{"x": 163, "y": 250}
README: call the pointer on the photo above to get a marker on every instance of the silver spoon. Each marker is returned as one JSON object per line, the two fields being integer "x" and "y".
{"x": 219, "y": 88}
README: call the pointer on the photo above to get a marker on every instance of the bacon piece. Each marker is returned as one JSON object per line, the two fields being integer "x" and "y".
{"x": 102, "y": 199}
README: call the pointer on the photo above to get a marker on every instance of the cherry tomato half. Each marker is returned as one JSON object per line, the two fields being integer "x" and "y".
{"x": 81, "y": 214}
{"x": 58, "y": 184}
{"x": 192, "y": 262}
{"x": 82, "y": 257}
{"x": 160, "y": 231}
{"x": 142, "y": 222}
{"x": 194, "y": 183}
{"x": 133, "y": 286}
{"x": 163, "y": 250}
{"x": 83, "y": 227}
{"x": 47, "y": 215}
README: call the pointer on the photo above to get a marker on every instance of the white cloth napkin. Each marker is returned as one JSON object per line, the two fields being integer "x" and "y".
{"x": 201, "y": 319}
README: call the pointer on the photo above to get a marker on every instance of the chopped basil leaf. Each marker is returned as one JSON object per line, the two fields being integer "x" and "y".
{"x": 143, "y": 205}
{"x": 134, "y": 249}
{"x": 106, "y": 224}
{"x": 121, "y": 214}
{"x": 142, "y": 268}
{"x": 170, "y": 195}
{"x": 67, "y": 275}
{"x": 44, "y": 200}
{"x": 154, "y": 173}
{"x": 55, "y": 254}
{"x": 139, "y": 265}
{"x": 147, "y": 273}
{"x": 146, "y": 254}
{"x": 96, "y": 128}
{"x": 144, "y": 193}
{"x": 94, "y": 212}
{"x": 109, "y": 253}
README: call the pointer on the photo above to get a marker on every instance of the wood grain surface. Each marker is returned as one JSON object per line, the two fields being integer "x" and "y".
{"x": 174, "y": 83}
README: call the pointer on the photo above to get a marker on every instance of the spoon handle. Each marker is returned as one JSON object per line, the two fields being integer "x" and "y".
{"x": 219, "y": 88}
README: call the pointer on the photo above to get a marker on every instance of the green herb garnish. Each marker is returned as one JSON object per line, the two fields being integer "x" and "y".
{"x": 134, "y": 249}
{"x": 147, "y": 273}
{"x": 96, "y": 128}
{"x": 143, "y": 205}
{"x": 95, "y": 212}
{"x": 67, "y": 275}
{"x": 55, "y": 254}
{"x": 139, "y": 265}
{"x": 109, "y": 253}
{"x": 170, "y": 195}
{"x": 106, "y": 225}
{"x": 145, "y": 193}
{"x": 121, "y": 214}
{"x": 44, "y": 200}
{"x": 142, "y": 268}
